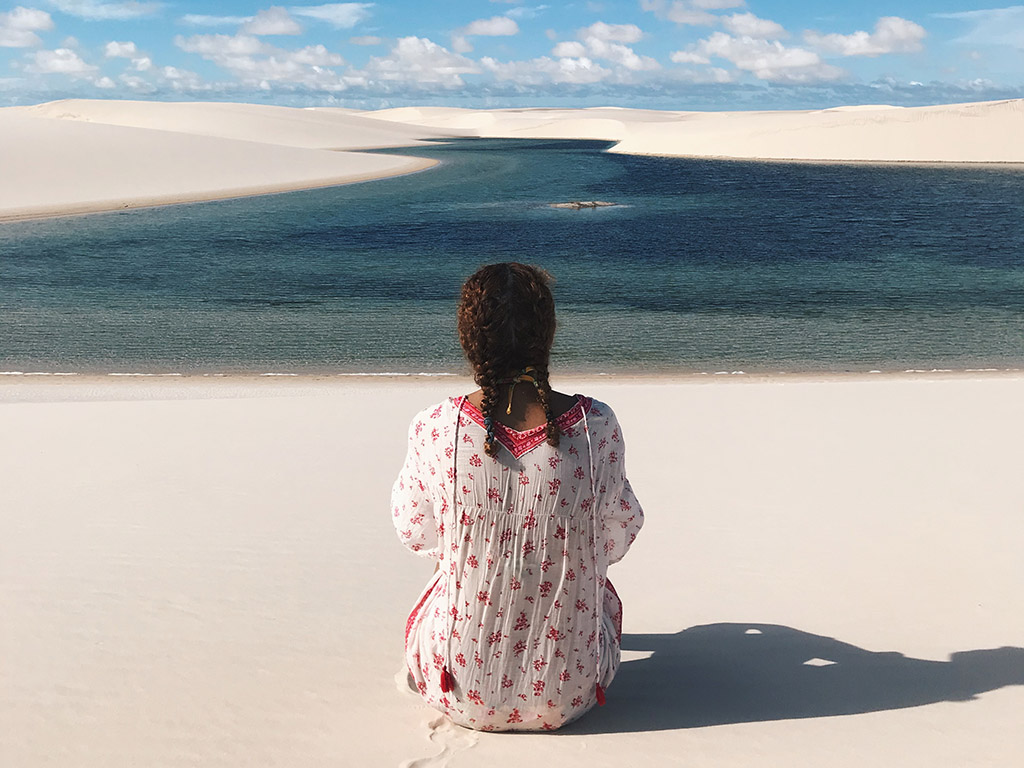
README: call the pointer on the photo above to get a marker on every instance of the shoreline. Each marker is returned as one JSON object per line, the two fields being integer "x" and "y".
{"x": 561, "y": 372}
{"x": 1011, "y": 165}
{"x": 565, "y": 373}
{"x": 415, "y": 165}
{"x": 17, "y": 387}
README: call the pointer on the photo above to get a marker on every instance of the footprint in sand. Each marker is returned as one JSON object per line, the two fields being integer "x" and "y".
{"x": 451, "y": 738}
{"x": 443, "y": 732}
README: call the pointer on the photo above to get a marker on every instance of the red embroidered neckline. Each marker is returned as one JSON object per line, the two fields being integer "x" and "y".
{"x": 519, "y": 443}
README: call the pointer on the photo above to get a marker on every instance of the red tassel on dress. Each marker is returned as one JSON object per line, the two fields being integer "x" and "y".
{"x": 447, "y": 681}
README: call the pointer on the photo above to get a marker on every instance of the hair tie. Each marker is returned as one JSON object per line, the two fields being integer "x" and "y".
{"x": 524, "y": 375}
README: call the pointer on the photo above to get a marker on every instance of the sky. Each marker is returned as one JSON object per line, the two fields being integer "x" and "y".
{"x": 660, "y": 54}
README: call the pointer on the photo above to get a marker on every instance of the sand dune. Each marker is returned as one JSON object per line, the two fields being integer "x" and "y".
{"x": 958, "y": 133}
{"x": 982, "y": 132}
{"x": 204, "y": 572}
{"x": 79, "y": 156}
{"x": 284, "y": 126}
{"x": 602, "y": 123}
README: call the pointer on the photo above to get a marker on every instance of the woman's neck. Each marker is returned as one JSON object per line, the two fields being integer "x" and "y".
{"x": 527, "y": 411}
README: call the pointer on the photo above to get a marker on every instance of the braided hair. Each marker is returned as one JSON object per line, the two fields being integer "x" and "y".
{"x": 506, "y": 322}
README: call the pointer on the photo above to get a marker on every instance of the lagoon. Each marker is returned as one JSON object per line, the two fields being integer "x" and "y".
{"x": 702, "y": 266}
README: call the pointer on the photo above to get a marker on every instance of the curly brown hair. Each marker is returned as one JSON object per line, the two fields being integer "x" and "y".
{"x": 506, "y": 321}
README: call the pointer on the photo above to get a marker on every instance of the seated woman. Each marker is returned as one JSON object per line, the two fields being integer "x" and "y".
{"x": 520, "y": 495}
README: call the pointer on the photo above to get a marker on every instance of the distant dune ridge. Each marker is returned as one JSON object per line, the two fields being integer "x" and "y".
{"x": 986, "y": 132}
{"x": 80, "y": 155}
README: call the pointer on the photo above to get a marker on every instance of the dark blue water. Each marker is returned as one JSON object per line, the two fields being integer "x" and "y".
{"x": 703, "y": 266}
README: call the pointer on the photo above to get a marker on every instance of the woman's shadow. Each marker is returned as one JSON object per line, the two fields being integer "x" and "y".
{"x": 740, "y": 673}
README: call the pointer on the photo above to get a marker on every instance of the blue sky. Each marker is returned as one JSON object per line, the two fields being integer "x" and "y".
{"x": 666, "y": 54}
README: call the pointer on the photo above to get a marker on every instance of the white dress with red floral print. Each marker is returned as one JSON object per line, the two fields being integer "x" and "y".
{"x": 519, "y": 628}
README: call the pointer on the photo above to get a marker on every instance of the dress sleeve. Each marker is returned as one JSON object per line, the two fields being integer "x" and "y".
{"x": 619, "y": 512}
{"x": 412, "y": 506}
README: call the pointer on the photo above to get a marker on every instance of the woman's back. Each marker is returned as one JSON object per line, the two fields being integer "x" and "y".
{"x": 518, "y": 630}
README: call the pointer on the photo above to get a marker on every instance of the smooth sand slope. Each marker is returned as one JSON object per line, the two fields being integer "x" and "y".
{"x": 983, "y": 132}
{"x": 284, "y": 126}
{"x": 78, "y": 156}
{"x": 203, "y": 572}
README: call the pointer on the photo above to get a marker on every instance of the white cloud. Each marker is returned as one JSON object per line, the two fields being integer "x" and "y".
{"x": 128, "y": 50}
{"x": 605, "y": 41}
{"x": 569, "y": 49}
{"x": 770, "y": 61}
{"x": 182, "y": 79}
{"x": 714, "y": 75}
{"x": 420, "y": 61}
{"x": 317, "y": 56}
{"x": 621, "y": 54}
{"x": 689, "y": 12}
{"x": 579, "y": 61}
{"x": 715, "y": 5}
{"x": 694, "y": 17}
{"x": 255, "y": 62}
{"x": 618, "y": 33}
{"x": 689, "y": 57}
{"x": 365, "y": 40}
{"x": 338, "y": 15}
{"x": 892, "y": 35}
{"x": 272, "y": 21}
{"x": 524, "y": 12}
{"x": 201, "y": 20}
{"x": 544, "y": 70}
{"x": 104, "y": 82}
{"x": 102, "y": 10}
{"x": 116, "y": 50}
{"x": 993, "y": 26}
{"x": 497, "y": 26}
{"x": 62, "y": 61}
{"x": 18, "y": 27}
{"x": 749, "y": 25}
{"x": 137, "y": 84}
{"x": 223, "y": 46}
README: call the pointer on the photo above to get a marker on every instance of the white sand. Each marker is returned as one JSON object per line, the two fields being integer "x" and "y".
{"x": 203, "y": 572}
{"x": 982, "y": 132}
{"x": 77, "y": 155}
{"x": 284, "y": 126}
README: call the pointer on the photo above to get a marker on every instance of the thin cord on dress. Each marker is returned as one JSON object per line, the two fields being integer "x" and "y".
{"x": 447, "y": 679}
{"x": 598, "y": 603}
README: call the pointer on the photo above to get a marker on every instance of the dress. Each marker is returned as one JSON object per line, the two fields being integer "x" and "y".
{"x": 519, "y": 628}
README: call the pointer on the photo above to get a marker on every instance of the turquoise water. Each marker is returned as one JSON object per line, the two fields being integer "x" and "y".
{"x": 703, "y": 266}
